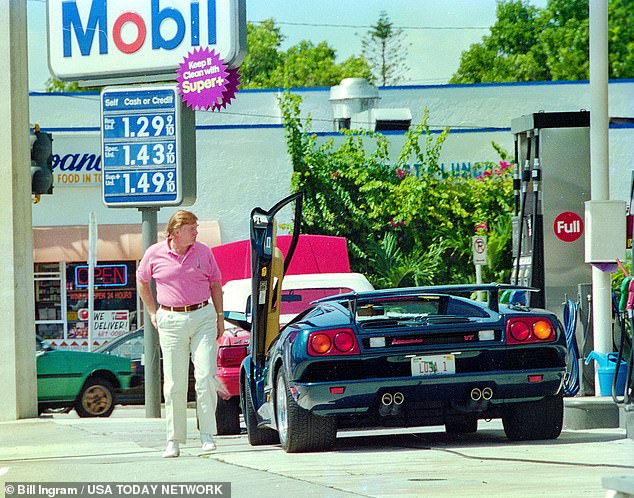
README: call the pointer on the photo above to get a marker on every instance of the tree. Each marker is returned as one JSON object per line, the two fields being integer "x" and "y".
{"x": 304, "y": 64}
{"x": 385, "y": 50}
{"x": 531, "y": 44}
{"x": 263, "y": 54}
{"x": 310, "y": 65}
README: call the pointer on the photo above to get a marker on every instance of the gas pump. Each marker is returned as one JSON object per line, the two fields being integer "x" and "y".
{"x": 551, "y": 185}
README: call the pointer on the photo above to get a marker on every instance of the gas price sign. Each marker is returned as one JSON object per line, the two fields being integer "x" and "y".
{"x": 141, "y": 146}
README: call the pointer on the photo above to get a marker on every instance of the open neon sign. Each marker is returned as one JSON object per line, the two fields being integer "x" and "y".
{"x": 105, "y": 275}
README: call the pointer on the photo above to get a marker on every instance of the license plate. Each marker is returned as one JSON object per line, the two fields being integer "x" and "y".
{"x": 433, "y": 365}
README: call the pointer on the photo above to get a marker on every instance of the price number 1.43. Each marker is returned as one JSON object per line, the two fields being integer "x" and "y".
{"x": 143, "y": 154}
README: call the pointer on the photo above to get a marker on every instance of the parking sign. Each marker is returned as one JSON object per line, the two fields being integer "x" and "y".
{"x": 479, "y": 246}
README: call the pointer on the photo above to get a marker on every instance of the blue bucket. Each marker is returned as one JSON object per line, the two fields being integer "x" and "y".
{"x": 606, "y": 363}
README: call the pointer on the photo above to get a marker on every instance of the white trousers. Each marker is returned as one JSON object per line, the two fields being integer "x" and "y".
{"x": 181, "y": 335}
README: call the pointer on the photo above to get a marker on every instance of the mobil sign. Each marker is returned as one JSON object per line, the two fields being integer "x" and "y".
{"x": 101, "y": 39}
{"x": 568, "y": 226}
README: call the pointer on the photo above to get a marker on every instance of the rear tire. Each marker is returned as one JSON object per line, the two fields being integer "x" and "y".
{"x": 299, "y": 430}
{"x": 96, "y": 399}
{"x": 534, "y": 420}
{"x": 228, "y": 416}
{"x": 257, "y": 436}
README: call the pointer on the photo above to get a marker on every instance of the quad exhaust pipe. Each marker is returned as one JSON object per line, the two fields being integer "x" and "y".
{"x": 477, "y": 394}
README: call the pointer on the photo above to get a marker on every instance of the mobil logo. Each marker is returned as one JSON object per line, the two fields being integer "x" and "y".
{"x": 114, "y": 38}
{"x": 568, "y": 226}
{"x": 111, "y": 23}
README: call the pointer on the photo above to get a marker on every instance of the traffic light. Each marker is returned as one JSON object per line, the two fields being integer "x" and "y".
{"x": 41, "y": 162}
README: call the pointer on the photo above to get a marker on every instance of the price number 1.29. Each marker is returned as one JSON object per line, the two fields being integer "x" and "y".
{"x": 143, "y": 126}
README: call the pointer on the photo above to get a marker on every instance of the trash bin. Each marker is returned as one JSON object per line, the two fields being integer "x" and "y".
{"x": 606, "y": 363}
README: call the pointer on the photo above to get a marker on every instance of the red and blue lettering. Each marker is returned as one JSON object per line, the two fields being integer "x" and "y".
{"x": 97, "y": 24}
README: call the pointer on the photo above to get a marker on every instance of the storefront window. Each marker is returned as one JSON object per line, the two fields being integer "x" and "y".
{"x": 49, "y": 323}
{"x": 114, "y": 300}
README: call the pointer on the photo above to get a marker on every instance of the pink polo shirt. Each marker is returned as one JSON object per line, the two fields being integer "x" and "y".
{"x": 180, "y": 281}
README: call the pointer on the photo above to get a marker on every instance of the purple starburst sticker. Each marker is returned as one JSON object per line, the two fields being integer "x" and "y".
{"x": 202, "y": 79}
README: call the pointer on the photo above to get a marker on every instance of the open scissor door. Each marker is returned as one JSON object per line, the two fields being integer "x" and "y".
{"x": 268, "y": 267}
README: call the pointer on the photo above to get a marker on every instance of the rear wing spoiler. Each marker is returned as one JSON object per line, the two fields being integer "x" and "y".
{"x": 493, "y": 290}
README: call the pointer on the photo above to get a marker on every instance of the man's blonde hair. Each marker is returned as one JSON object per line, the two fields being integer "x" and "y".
{"x": 178, "y": 219}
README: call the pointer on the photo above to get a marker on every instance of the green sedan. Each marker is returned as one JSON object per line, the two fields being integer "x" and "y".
{"x": 87, "y": 382}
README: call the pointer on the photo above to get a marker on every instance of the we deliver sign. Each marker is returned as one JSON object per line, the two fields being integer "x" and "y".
{"x": 108, "y": 324}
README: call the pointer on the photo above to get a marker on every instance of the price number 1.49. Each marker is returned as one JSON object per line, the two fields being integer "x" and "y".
{"x": 158, "y": 182}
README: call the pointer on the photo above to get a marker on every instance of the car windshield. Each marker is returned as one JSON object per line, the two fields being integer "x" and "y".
{"x": 416, "y": 309}
{"x": 295, "y": 301}
{"x": 129, "y": 345}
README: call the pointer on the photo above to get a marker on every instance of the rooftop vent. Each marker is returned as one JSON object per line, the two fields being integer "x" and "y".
{"x": 352, "y": 96}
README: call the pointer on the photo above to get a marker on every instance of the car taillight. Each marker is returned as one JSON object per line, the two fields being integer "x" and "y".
{"x": 320, "y": 343}
{"x": 231, "y": 356}
{"x": 335, "y": 342}
{"x": 543, "y": 330}
{"x": 529, "y": 330}
{"x": 519, "y": 331}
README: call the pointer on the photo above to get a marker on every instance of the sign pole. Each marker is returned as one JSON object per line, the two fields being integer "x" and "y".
{"x": 478, "y": 275}
{"x": 150, "y": 336}
{"x": 92, "y": 261}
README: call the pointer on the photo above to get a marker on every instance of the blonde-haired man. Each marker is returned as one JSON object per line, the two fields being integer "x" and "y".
{"x": 186, "y": 277}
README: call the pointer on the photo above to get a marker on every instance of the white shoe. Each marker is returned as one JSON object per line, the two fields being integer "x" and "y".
{"x": 207, "y": 441}
{"x": 172, "y": 450}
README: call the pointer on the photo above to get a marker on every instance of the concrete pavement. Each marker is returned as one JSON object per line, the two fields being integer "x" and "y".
{"x": 127, "y": 448}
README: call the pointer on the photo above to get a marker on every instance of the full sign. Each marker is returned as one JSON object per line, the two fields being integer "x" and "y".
{"x": 99, "y": 39}
{"x": 568, "y": 226}
{"x": 146, "y": 161}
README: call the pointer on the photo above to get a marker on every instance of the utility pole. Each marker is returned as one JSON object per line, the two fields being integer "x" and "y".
{"x": 17, "y": 308}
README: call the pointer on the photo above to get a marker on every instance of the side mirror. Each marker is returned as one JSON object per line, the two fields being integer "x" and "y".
{"x": 238, "y": 319}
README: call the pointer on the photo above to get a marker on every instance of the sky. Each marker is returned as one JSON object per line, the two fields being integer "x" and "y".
{"x": 438, "y": 31}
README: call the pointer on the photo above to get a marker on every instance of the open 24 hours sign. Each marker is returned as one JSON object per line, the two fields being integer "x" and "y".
{"x": 148, "y": 147}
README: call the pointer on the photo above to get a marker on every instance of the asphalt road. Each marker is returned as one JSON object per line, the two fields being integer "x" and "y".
{"x": 387, "y": 463}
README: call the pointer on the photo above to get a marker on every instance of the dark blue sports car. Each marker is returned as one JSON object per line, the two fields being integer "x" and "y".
{"x": 395, "y": 358}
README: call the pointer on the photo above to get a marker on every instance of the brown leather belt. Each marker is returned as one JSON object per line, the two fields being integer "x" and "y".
{"x": 181, "y": 309}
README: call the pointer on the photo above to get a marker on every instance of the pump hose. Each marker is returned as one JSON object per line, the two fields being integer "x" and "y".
{"x": 571, "y": 380}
